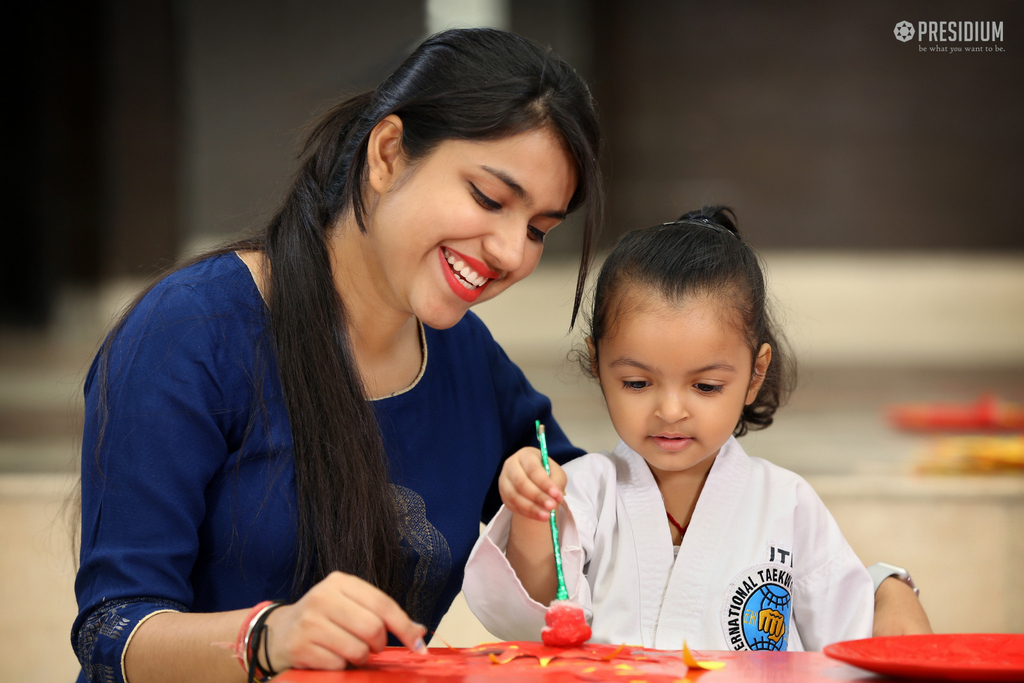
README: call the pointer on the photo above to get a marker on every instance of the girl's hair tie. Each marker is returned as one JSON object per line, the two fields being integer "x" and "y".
{"x": 703, "y": 222}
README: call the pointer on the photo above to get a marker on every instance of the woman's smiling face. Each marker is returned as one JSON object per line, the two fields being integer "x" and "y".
{"x": 464, "y": 223}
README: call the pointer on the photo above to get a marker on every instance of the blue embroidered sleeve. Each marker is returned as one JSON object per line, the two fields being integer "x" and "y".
{"x": 100, "y": 638}
{"x": 158, "y": 436}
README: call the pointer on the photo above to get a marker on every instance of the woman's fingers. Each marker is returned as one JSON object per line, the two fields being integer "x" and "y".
{"x": 377, "y": 605}
{"x": 321, "y": 659}
{"x": 342, "y": 650}
{"x": 340, "y": 620}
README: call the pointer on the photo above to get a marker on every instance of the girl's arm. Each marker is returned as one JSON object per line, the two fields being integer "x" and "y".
{"x": 532, "y": 557}
{"x": 498, "y": 595}
{"x": 528, "y": 491}
{"x": 339, "y": 621}
{"x": 898, "y": 611}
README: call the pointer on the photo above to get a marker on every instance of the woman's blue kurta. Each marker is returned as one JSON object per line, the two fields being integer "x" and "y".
{"x": 188, "y": 489}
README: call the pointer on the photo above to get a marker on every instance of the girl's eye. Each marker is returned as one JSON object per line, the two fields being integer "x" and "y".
{"x": 483, "y": 200}
{"x": 635, "y": 384}
{"x": 536, "y": 234}
{"x": 708, "y": 388}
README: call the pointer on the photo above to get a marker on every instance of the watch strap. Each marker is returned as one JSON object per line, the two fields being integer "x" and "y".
{"x": 880, "y": 571}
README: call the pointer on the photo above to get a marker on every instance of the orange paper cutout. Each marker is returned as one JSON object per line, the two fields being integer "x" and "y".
{"x": 612, "y": 655}
{"x": 692, "y": 663}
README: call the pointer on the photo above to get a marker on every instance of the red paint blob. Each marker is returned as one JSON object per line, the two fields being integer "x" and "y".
{"x": 566, "y": 625}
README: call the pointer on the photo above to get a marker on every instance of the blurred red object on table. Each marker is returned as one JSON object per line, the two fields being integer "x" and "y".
{"x": 938, "y": 656}
{"x": 987, "y": 414}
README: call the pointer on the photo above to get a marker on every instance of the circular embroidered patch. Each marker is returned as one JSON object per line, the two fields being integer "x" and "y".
{"x": 756, "y": 613}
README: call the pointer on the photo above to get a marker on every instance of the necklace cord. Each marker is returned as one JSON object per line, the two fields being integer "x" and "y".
{"x": 682, "y": 529}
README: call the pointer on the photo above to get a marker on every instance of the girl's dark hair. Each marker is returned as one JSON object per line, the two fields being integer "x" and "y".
{"x": 462, "y": 84}
{"x": 700, "y": 254}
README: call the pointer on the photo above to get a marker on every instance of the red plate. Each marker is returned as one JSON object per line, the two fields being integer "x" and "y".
{"x": 947, "y": 656}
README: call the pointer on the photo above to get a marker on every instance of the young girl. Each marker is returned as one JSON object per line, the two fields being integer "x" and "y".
{"x": 678, "y": 534}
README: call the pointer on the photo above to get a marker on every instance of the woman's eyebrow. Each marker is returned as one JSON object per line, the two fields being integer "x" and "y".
{"x": 519, "y": 191}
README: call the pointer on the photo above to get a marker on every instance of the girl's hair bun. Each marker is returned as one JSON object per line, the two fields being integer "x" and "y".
{"x": 719, "y": 216}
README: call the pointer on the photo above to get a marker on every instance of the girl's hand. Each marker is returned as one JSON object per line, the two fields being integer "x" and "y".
{"x": 340, "y": 621}
{"x": 526, "y": 489}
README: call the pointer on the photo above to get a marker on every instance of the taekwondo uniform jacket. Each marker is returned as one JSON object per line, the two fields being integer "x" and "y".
{"x": 763, "y": 565}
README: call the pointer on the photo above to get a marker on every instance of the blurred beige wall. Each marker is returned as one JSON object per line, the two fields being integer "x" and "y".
{"x": 837, "y": 308}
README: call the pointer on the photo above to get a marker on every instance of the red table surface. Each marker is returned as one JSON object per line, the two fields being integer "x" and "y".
{"x": 777, "y": 667}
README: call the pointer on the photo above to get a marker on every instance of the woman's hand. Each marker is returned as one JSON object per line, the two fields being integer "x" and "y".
{"x": 340, "y": 621}
{"x": 526, "y": 489}
{"x": 898, "y": 611}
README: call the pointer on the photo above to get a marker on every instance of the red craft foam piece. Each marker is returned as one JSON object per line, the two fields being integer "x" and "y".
{"x": 566, "y": 625}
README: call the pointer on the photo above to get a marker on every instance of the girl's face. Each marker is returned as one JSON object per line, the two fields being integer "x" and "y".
{"x": 676, "y": 378}
{"x": 464, "y": 223}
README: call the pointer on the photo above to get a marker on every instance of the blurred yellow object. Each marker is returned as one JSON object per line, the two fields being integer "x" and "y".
{"x": 973, "y": 455}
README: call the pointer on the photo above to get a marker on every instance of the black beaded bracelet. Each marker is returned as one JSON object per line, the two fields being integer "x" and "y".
{"x": 258, "y": 636}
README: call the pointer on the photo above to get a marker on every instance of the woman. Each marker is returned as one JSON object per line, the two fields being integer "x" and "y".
{"x": 414, "y": 201}
{"x": 231, "y": 454}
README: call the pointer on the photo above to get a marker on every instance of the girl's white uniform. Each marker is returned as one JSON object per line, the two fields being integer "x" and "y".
{"x": 761, "y": 550}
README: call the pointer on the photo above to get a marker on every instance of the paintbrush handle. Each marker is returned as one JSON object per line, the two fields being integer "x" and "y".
{"x": 563, "y": 594}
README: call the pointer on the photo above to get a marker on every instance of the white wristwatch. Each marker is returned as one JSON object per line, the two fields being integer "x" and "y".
{"x": 880, "y": 571}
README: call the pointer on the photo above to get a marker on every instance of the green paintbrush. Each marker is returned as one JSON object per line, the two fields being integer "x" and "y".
{"x": 562, "y": 593}
{"x": 566, "y": 623}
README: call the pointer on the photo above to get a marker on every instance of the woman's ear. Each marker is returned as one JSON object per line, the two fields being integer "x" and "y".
{"x": 384, "y": 159}
{"x": 761, "y": 363}
{"x": 592, "y": 350}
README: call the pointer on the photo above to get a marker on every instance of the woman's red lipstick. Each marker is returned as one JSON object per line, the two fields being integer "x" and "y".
{"x": 455, "y": 283}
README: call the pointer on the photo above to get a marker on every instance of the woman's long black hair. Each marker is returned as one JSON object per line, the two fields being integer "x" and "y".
{"x": 465, "y": 84}
{"x": 701, "y": 254}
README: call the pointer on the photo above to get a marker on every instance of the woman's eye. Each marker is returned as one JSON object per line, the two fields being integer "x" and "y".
{"x": 708, "y": 388}
{"x": 536, "y": 234}
{"x": 635, "y": 384}
{"x": 484, "y": 200}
